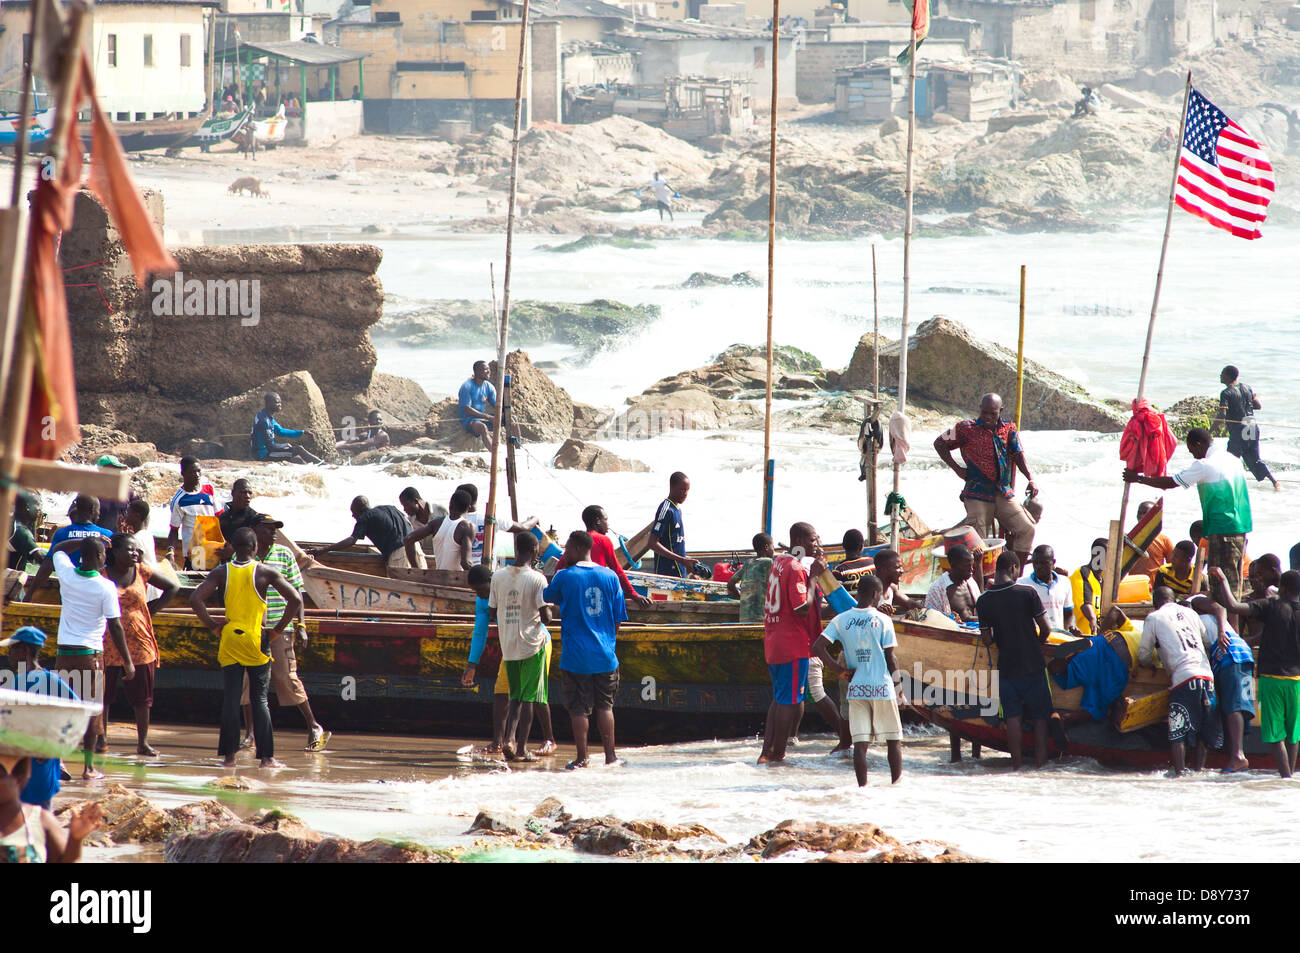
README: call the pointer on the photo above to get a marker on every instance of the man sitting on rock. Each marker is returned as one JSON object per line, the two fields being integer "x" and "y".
{"x": 990, "y": 448}
{"x": 375, "y": 437}
{"x": 476, "y": 406}
{"x": 266, "y": 429}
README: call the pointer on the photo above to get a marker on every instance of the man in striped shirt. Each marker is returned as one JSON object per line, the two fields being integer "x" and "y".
{"x": 289, "y": 689}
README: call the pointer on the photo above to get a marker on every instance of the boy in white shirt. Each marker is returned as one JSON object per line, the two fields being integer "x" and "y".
{"x": 867, "y": 636}
{"x": 522, "y": 614}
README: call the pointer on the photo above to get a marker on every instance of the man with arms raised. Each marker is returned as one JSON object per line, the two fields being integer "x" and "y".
{"x": 591, "y": 607}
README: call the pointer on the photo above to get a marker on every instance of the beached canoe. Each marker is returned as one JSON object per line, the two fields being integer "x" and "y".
{"x": 948, "y": 675}
{"x": 393, "y": 673}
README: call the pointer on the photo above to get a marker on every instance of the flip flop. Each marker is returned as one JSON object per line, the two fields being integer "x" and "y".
{"x": 1233, "y": 770}
{"x": 574, "y": 765}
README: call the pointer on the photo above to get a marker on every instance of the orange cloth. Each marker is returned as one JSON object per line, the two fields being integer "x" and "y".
{"x": 137, "y": 624}
{"x": 54, "y": 389}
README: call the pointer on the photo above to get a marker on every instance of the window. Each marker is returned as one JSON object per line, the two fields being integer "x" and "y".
{"x": 27, "y": 48}
{"x": 185, "y": 49}
{"x": 148, "y": 49}
{"x": 428, "y": 66}
{"x": 483, "y": 15}
{"x": 122, "y": 117}
{"x": 141, "y": 117}
{"x": 112, "y": 49}
{"x": 760, "y": 57}
{"x": 388, "y": 16}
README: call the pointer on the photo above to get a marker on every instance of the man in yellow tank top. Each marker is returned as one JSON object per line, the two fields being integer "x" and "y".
{"x": 245, "y": 642}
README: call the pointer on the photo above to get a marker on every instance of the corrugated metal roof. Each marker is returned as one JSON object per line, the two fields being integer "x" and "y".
{"x": 305, "y": 53}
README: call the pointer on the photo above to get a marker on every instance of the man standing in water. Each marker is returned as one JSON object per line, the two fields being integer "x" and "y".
{"x": 1011, "y": 617}
{"x": 667, "y": 537}
{"x": 591, "y": 610}
{"x": 990, "y": 448}
{"x": 790, "y": 618}
{"x": 1179, "y": 635}
{"x": 245, "y": 643}
{"x": 1225, "y": 503}
{"x": 1237, "y": 406}
{"x": 663, "y": 193}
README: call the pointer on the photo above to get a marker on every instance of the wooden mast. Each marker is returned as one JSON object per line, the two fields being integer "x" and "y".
{"x": 895, "y": 515}
{"x": 489, "y": 512}
{"x": 873, "y": 415}
{"x": 769, "y": 466}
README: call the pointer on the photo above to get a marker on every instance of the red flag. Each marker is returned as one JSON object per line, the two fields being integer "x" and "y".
{"x": 1147, "y": 442}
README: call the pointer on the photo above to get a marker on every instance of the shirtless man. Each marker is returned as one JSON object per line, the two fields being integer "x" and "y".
{"x": 889, "y": 569}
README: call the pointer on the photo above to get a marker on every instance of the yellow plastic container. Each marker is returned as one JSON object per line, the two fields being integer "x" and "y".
{"x": 1135, "y": 588}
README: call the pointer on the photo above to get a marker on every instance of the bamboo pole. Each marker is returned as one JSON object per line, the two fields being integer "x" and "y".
{"x": 1020, "y": 352}
{"x": 907, "y": 267}
{"x": 212, "y": 66}
{"x": 1116, "y": 555}
{"x": 769, "y": 466}
{"x": 490, "y": 511}
{"x": 873, "y": 455}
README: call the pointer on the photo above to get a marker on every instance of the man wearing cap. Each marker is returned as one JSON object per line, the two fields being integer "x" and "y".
{"x": 111, "y": 510}
{"x": 24, "y": 660}
{"x": 288, "y": 686}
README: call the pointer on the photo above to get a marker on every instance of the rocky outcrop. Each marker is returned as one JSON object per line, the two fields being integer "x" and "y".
{"x": 850, "y": 843}
{"x": 590, "y": 326}
{"x": 304, "y": 409}
{"x": 154, "y": 362}
{"x": 704, "y": 279}
{"x": 576, "y": 454}
{"x": 1191, "y": 412}
{"x": 948, "y": 366}
{"x": 132, "y": 819}
{"x": 278, "y": 838}
{"x": 860, "y": 374}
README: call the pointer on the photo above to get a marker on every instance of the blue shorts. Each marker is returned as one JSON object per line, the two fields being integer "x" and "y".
{"x": 467, "y": 424}
{"x": 789, "y": 681}
{"x": 1193, "y": 714}
{"x": 1234, "y": 686}
{"x": 1025, "y": 695}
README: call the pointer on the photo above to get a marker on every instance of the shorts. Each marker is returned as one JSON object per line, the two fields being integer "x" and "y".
{"x": 1234, "y": 686}
{"x": 528, "y": 677}
{"x": 875, "y": 719}
{"x": 89, "y": 673}
{"x": 1025, "y": 695}
{"x": 139, "y": 690}
{"x": 467, "y": 424}
{"x": 1279, "y": 709}
{"x": 816, "y": 686}
{"x": 788, "y": 681}
{"x": 279, "y": 453}
{"x": 1194, "y": 715}
{"x": 284, "y": 674}
{"x": 585, "y": 693}
{"x": 1225, "y": 552}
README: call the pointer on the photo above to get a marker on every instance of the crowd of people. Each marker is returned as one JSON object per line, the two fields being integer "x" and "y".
{"x": 1200, "y": 629}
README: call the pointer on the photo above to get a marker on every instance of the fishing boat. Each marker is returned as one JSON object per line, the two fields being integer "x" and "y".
{"x": 947, "y": 675}
{"x": 381, "y": 671}
{"x": 38, "y": 128}
{"x": 270, "y": 131}
{"x": 219, "y": 129}
{"x": 162, "y": 133}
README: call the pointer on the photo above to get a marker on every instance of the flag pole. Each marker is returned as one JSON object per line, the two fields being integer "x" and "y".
{"x": 1020, "y": 352}
{"x": 894, "y": 514}
{"x": 490, "y": 511}
{"x": 1116, "y": 558}
{"x": 769, "y": 465}
{"x": 872, "y": 504}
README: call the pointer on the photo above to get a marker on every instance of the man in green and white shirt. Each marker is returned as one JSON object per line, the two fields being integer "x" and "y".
{"x": 1225, "y": 502}
{"x": 289, "y": 689}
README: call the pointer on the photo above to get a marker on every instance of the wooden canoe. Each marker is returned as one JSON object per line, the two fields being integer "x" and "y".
{"x": 387, "y": 672}
{"x": 946, "y": 673}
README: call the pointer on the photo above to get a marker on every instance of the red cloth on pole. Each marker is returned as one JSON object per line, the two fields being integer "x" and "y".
{"x": 1147, "y": 443}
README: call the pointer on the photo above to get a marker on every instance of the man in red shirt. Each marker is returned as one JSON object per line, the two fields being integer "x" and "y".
{"x": 791, "y": 622}
{"x": 602, "y": 551}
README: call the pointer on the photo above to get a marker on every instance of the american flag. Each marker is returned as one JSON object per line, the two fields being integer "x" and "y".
{"x": 1223, "y": 174}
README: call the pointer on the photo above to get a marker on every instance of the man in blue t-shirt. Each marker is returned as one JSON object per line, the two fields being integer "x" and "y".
{"x": 266, "y": 429}
{"x": 476, "y": 404}
{"x": 24, "y": 650}
{"x": 84, "y": 514}
{"x": 667, "y": 538}
{"x": 590, "y": 600}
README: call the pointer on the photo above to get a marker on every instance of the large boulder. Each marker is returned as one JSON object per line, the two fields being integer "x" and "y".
{"x": 579, "y": 455}
{"x": 860, "y": 374}
{"x": 949, "y": 366}
{"x": 304, "y": 409}
{"x": 689, "y": 408}
{"x": 404, "y": 405}
{"x": 543, "y": 411}
{"x": 278, "y": 838}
